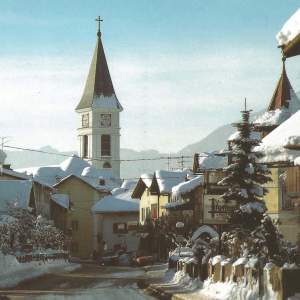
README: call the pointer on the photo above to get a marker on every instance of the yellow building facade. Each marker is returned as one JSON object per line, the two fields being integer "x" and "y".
{"x": 85, "y": 228}
{"x": 281, "y": 206}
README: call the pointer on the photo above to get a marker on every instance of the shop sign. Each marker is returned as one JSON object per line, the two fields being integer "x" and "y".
{"x": 215, "y": 210}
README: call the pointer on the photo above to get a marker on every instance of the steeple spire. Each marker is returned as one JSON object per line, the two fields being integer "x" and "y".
{"x": 282, "y": 93}
{"x": 99, "y": 90}
{"x": 283, "y": 104}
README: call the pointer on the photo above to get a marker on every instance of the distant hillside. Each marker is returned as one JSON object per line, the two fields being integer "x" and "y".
{"x": 217, "y": 140}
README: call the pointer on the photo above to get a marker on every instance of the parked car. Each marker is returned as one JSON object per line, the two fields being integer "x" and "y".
{"x": 108, "y": 258}
{"x": 141, "y": 258}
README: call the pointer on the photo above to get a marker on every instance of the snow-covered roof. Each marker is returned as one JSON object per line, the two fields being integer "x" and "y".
{"x": 119, "y": 201}
{"x": 237, "y": 136}
{"x": 15, "y": 191}
{"x": 61, "y": 199}
{"x": 80, "y": 168}
{"x": 129, "y": 184}
{"x": 187, "y": 186}
{"x": 93, "y": 182}
{"x": 2, "y": 157}
{"x": 210, "y": 160}
{"x": 16, "y": 174}
{"x": 283, "y": 105}
{"x": 174, "y": 204}
{"x": 166, "y": 180}
{"x": 202, "y": 229}
{"x": 289, "y": 30}
{"x": 284, "y": 135}
{"x": 274, "y": 117}
{"x": 147, "y": 179}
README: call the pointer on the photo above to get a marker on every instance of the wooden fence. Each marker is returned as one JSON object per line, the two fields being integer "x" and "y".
{"x": 41, "y": 257}
{"x": 286, "y": 282}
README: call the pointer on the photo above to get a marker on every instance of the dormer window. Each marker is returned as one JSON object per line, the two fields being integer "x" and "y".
{"x": 102, "y": 182}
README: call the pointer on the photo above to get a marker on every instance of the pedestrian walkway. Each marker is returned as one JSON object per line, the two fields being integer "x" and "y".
{"x": 160, "y": 282}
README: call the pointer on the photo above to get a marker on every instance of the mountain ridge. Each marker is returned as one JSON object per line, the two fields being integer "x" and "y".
{"x": 216, "y": 140}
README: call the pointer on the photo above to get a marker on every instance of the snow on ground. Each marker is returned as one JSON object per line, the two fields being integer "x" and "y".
{"x": 12, "y": 272}
{"x": 107, "y": 289}
{"x": 183, "y": 286}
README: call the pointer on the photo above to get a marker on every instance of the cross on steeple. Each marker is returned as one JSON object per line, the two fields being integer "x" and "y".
{"x": 99, "y": 20}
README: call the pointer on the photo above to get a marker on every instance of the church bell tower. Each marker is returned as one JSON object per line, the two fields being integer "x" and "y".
{"x": 99, "y": 120}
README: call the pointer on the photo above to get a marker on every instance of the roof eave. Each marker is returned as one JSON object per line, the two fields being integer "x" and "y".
{"x": 292, "y": 48}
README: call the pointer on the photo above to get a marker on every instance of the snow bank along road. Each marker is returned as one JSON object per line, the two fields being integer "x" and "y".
{"x": 90, "y": 282}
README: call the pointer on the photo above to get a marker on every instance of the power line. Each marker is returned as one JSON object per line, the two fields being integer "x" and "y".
{"x": 97, "y": 159}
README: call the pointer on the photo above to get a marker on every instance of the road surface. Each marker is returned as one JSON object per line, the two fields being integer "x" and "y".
{"x": 90, "y": 282}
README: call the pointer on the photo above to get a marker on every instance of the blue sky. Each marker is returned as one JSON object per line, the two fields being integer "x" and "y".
{"x": 180, "y": 68}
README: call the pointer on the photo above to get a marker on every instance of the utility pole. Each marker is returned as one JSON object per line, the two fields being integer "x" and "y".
{"x": 168, "y": 163}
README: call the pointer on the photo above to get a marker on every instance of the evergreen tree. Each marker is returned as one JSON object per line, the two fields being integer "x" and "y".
{"x": 253, "y": 231}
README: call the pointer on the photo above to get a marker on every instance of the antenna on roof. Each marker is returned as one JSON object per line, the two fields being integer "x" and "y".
{"x": 5, "y": 137}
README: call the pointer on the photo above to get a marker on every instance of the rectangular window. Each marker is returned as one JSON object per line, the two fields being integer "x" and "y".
{"x": 154, "y": 211}
{"x": 74, "y": 247}
{"x": 85, "y": 146}
{"x": 143, "y": 214}
{"x": 74, "y": 225}
{"x": 105, "y": 145}
{"x": 120, "y": 228}
{"x": 148, "y": 213}
{"x": 287, "y": 202}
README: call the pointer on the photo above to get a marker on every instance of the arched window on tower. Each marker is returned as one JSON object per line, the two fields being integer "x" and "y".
{"x": 106, "y": 165}
{"x": 105, "y": 145}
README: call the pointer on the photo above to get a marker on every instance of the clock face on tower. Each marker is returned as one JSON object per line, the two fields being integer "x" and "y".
{"x": 85, "y": 120}
{"x": 105, "y": 120}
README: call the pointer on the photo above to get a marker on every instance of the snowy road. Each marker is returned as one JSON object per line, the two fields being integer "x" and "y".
{"x": 90, "y": 282}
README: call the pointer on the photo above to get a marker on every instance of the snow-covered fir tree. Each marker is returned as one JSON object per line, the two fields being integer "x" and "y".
{"x": 253, "y": 231}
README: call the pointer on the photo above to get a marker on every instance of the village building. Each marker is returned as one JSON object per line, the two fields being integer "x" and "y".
{"x": 60, "y": 206}
{"x": 187, "y": 198}
{"x": 85, "y": 186}
{"x": 154, "y": 192}
{"x": 282, "y": 151}
{"x": 42, "y": 190}
{"x": 120, "y": 219}
{"x": 18, "y": 193}
{"x": 283, "y": 106}
{"x": 99, "y": 120}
